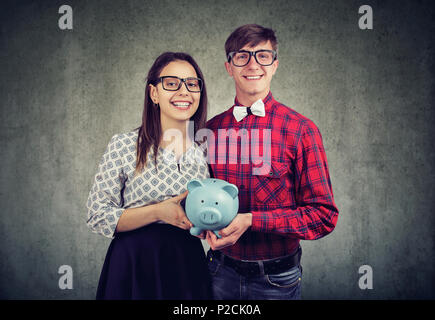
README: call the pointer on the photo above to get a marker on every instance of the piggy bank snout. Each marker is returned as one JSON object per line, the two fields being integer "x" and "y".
{"x": 209, "y": 215}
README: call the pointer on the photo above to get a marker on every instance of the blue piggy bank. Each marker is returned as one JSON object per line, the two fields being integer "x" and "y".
{"x": 211, "y": 205}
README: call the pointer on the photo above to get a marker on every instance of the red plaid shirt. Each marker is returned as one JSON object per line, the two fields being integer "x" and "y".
{"x": 290, "y": 199}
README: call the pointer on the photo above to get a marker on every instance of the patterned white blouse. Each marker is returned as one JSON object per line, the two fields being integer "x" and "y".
{"x": 117, "y": 188}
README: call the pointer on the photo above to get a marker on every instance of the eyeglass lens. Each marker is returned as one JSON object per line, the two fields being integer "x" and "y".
{"x": 173, "y": 84}
{"x": 262, "y": 57}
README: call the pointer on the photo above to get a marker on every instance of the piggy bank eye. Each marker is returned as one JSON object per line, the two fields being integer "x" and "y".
{"x": 216, "y": 203}
{"x": 202, "y": 201}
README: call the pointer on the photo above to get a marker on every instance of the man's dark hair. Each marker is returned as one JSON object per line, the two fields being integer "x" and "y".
{"x": 249, "y": 34}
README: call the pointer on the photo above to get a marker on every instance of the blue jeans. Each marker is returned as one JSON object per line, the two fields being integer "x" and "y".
{"x": 229, "y": 285}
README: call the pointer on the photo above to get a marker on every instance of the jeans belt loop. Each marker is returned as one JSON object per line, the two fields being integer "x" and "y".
{"x": 261, "y": 265}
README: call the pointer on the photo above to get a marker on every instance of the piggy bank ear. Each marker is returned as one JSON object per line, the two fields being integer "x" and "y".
{"x": 193, "y": 184}
{"x": 232, "y": 190}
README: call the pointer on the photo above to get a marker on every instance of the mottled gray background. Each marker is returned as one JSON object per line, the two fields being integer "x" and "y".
{"x": 63, "y": 94}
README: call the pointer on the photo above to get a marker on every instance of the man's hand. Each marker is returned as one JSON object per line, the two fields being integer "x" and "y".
{"x": 231, "y": 233}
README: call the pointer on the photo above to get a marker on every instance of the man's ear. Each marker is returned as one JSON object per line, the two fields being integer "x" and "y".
{"x": 228, "y": 67}
{"x": 154, "y": 94}
{"x": 275, "y": 66}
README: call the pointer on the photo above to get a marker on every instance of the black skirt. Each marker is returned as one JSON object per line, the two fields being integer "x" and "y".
{"x": 158, "y": 261}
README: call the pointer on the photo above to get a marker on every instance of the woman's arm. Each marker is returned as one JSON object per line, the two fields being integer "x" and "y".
{"x": 105, "y": 200}
{"x": 169, "y": 211}
{"x": 106, "y": 212}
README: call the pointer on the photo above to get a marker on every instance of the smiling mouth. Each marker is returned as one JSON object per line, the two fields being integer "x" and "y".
{"x": 253, "y": 77}
{"x": 181, "y": 105}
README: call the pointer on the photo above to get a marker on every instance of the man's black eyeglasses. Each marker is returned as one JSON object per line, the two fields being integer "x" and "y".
{"x": 172, "y": 83}
{"x": 242, "y": 57}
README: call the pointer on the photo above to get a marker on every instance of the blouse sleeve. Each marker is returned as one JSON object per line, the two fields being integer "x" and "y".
{"x": 105, "y": 201}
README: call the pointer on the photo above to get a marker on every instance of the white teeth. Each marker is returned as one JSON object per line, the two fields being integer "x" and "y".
{"x": 181, "y": 104}
{"x": 253, "y": 78}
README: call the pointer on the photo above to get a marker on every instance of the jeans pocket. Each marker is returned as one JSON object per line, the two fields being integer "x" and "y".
{"x": 213, "y": 266}
{"x": 286, "y": 279}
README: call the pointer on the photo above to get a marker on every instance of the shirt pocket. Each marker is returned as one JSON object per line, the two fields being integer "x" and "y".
{"x": 269, "y": 183}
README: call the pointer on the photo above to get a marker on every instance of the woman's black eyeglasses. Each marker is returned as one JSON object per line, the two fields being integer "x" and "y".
{"x": 172, "y": 83}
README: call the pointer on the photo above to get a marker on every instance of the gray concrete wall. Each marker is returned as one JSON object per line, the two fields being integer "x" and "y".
{"x": 63, "y": 94}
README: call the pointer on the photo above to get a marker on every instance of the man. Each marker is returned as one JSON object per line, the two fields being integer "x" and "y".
{"x": 285, "y": 198}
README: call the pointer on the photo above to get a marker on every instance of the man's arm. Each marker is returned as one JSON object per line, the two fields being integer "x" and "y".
{"x": 316, "y": 214}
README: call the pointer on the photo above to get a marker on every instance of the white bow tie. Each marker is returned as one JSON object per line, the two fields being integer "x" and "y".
{"x": 257, "y": 109}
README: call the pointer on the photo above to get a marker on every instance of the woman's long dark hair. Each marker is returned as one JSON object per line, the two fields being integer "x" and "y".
{"x": 150, "y": 132}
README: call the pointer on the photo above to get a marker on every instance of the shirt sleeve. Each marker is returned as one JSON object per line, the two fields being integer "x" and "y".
{"x": 316, "y": 213}
{"x": 105, "y": 201}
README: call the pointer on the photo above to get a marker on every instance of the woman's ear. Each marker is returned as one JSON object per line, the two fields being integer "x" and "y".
{"x": 154, "y": 95}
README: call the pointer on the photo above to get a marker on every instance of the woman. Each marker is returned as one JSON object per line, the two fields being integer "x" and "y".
{"x": 140, "y": 183}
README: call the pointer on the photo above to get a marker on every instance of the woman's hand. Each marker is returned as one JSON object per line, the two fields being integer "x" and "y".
{"x": 170, "y": 211}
